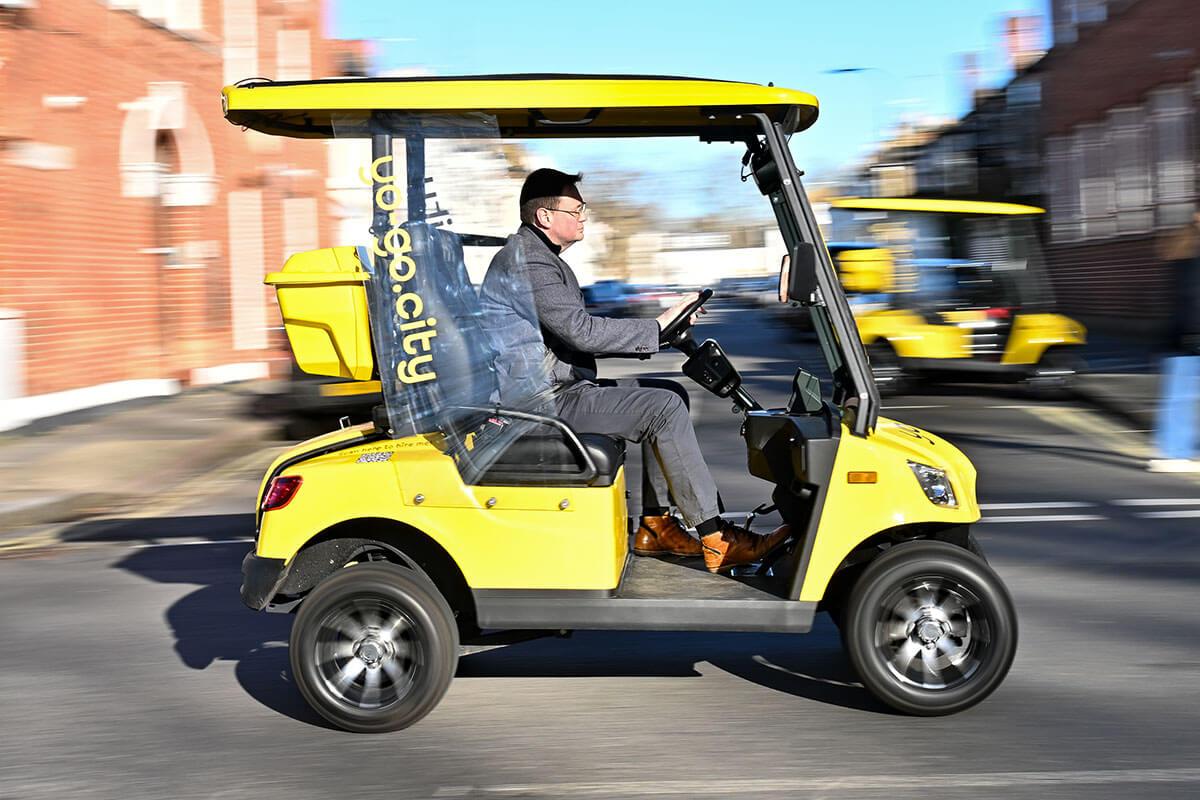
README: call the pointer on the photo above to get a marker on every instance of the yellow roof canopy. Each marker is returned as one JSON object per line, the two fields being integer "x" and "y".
{"x": 934, "y": 206}
{"x": 523, "y": 105}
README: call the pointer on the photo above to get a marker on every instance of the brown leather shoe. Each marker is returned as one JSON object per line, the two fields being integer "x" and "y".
{"x": 659, "y": 536}
{"x": 733, "y": 546}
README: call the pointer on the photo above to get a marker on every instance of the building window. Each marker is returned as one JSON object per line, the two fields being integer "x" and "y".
{"x": 185, "y": 15}
{"x": 1097, "y": 207}
{"x": 1131, "y": 165}
{"x": 293, "y": 59}
{"x": 240, "y": 29}
{"x": 1063, "y": 187}
{"x": 1171, "y": 118}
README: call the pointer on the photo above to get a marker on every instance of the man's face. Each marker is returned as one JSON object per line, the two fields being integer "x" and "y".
{"x": 565, "y": 221}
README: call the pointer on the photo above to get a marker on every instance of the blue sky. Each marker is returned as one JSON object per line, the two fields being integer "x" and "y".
{"x": 911, "y": 50}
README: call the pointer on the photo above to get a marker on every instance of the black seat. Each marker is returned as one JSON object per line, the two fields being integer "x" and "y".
{"x": 541, "y": 459}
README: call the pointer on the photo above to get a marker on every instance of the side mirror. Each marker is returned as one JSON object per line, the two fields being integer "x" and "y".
{"x": 798, "y": 275}
{"x": 806, "y": 394}
{"x": 712, "y": 369}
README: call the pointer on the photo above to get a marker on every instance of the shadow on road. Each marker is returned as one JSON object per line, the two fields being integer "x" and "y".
{"x": 811, "y": 666}
{"x": 211, "y": 624}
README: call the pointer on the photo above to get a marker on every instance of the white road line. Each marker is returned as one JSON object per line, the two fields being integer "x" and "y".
{"x": 907, "y": 408}
{"x": 1195, "y": 512}
{"x": 843, "y": 786}
{"x": 1047, "y": 518}
{"x": 1159, "y": 501}
{"x": 1018, "y": 506}
{"x": 190, "y": 543}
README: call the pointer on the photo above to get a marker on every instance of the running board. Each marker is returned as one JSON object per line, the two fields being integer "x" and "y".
{"x": 574, "y": 610}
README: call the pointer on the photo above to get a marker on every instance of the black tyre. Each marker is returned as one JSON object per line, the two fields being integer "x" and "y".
{"x": 374, "y": 648}
{"x": 891, "y": 378}
{"x": 930, "y": 628}
{"x": 1054, "y": 376}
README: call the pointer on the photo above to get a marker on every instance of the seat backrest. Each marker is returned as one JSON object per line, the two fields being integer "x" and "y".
{"x": 433, "y": 353}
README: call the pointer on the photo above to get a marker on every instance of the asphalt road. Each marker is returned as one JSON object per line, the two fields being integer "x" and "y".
{"x": 129, "y": 668}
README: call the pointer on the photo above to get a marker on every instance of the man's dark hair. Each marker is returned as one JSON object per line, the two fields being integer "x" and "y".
{"x": 542, "y": 189}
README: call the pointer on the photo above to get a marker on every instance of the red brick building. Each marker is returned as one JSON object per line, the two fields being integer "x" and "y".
{"x": 1120, "y": 108}
{"x": 136, "y": 225}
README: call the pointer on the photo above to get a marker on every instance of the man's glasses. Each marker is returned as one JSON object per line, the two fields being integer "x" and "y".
{"x": 580, "y": 213}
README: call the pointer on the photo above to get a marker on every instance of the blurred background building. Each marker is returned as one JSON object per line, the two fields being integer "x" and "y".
{"x": 135, "y": 224}
{"x": 1101, "y": 131}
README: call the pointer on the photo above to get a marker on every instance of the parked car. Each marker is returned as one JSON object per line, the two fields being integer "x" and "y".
{"x": 608, "y": 298}
{"x": 651, "y": 299}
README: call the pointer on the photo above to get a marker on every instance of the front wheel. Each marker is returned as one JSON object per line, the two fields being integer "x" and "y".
{"x": 374, "y": 648}
{"x": 930, "y": 628}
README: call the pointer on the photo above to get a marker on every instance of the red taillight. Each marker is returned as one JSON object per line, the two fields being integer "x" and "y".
{"x": 998, "y": 313}
{"x": 281, "y": 491}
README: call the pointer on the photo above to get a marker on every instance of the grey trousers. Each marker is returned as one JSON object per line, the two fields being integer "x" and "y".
{"x": 653, "y": 413}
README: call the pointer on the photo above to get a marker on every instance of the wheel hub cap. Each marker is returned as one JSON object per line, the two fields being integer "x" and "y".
{"x": 372, "y": 651}
{"x": 929, "y": 631}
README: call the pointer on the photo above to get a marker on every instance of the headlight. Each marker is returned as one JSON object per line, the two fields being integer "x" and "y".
{"x": 935, "y": 484}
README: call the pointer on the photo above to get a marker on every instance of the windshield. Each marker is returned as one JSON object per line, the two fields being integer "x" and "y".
{"x": 951, "y": 261}
{"x": 434, "y": 198}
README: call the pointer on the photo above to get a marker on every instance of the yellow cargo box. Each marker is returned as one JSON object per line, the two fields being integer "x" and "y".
{"x": 323, "y": 301}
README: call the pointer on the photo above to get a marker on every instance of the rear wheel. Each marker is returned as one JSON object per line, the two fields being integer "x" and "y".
{"x": 374, "y": 648}
{"x": 930, "y": 628}
{"x": 891, "y": 378}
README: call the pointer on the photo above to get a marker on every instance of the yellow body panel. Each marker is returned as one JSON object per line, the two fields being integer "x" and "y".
{"x": 1033, "y": 334}
{"x": 525, "y": 539}
{"x": 934, "y": 206}
{"x": 323, "y": 302}
{"x": 911, "y": 336}
{"x": 866, "y": 270}
{"x": 854, "y": 512}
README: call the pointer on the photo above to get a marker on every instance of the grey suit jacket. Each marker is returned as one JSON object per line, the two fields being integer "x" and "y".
{"x": 533, "y": 312}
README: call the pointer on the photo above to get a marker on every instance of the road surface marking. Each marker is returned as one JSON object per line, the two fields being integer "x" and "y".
{"x": 1018, "y": 506}
{"x": 907, "y": 408}
{"x": 1047, "y": 518}
{"x": 1195, "y": 512}
{"x": 191, "y": 543}
{"x": 845, "y": 785}
{"x": 1095, "y": 428}
{"x": 1159, "y": 501}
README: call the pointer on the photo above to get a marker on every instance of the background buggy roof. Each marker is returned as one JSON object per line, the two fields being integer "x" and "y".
{"x": 934, "y": 206}
{"x": 524, "y": 105}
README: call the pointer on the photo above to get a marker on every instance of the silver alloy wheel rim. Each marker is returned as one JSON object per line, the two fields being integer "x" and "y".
{"x": 368, "y": 653}
{"x": 932, "y": 633}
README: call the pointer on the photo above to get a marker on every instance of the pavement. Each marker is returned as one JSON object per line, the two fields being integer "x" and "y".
{"x": 114, "y": 461}
{"x": 126, "y": 457}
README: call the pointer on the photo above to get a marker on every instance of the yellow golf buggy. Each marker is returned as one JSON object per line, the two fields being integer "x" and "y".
{"x": 452, "y": 521}
{"x": 952, "y": 289}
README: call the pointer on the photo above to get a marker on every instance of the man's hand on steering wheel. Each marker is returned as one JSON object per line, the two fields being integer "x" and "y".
{"x": 679, "y": 317}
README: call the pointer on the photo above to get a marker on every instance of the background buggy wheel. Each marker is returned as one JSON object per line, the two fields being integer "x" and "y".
{"x": 930, "y": 628}
{"x": 1054, "y": 376}
{"x": 891, "y": 378}
{"x": 374, "y": 648}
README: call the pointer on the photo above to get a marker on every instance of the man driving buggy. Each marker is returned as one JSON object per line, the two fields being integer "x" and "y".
{"x": 533, "y": 307}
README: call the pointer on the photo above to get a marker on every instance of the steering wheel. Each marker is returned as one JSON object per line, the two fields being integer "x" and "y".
{"x": 683, "y": 322}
